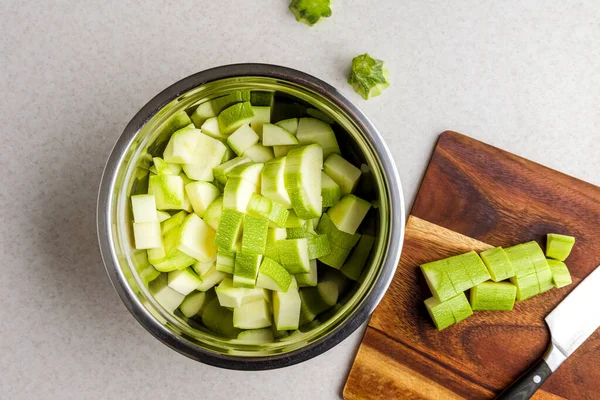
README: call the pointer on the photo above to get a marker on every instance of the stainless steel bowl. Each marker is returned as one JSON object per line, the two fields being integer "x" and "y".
{"x": 127, "y": 167}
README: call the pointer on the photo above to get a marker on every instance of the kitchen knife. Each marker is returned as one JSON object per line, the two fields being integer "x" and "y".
{"x": 570, "y": 323}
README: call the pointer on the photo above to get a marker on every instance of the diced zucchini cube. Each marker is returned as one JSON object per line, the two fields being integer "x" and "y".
{"x": 497, "y": 296}
{"x": 235, "y": 116}
{"x": 498, "y": 264}
{"x": 558, "y": 246}
{"x": 147, "y": 235}
{"x": 144, "y": 208}
{"x": 242, "y": 139}
{"x": 348, "y": 213}
{"x": 293, "y": 254}
{"x": 560, "y": 273}
{"x": 342, "y": 172}
{"x": 184, "y": 281}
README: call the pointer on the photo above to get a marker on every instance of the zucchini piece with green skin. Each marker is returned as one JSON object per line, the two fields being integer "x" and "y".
{"x": 272, "y": 249}
{"x": 559, "y": 246}
{"x": 438, "y": 280}
{"x": 254, "y": 234}
{"x": 203, "y": 112}
{"x": 235, "y": 116}
{"x": 174, "y": 222}
{"x": 262, "y": 115}
{"x": 197, "y": 239}
{"x": 461, "y": 309}
{"x": 475, "y": 268}
{"x": 230, "y": 229}
{"x": 303, "y": 180}
{"x": 296, "y": 233}
{"x": 184, "y": 281}
{"x": 331, "y": 285}
{"x": 355, "y": 263}
{"x": 272, "y": 276}
{"x": 211, "y": 278}
{"x": 440, "y": 313}
{"x": 282, "y": 151}
{"x": 254, "y": 315}
{"x": 310, "y": 12}
{"x": 161, "y": 167}
{"x": 174, "y": 168}
{"x": 457, "y": 273}
{"x": 342, "y": 172}
{"x": 274, "y": 135}
{"x": 527, "y": 286}
{"x": 312, "y": 303}
{"x": 273, "y": 183}
{"x": 225, "y": 261}
{"x": 210, "y": 127}
{"x": 525, "y": 279}
{"x": 293, "y": 254}
{"x": 181, "y": 146}
{"x": 213, "y": 213}
{"x": 542, "y": 270}
{"x": 348, "y": 213}
{"x": 293, "y": 221}
{"x": 168, "y": 191}
{"x": 262, "y": 98}
{"x": 318, "y": 246}
{"x": 560, "y": 273}
{"x": 246, "y": 270}
{"x": 237, "y": 194}
{"x": 368, "y": 76}
{"x": 290, "y": 125}
{"x": 168, "y": 298}
{"x": 219, "y": 320}
{"x": 144, "y": 208}
{"x": 207, "y": 155}
{"x": 231, "y": 296}
{"x": 259, "y": 153}
{"x": 330, "y": 191}
{"x": 195, "y": 303}
{"x": 229, "y": 155}
{"x": 202, "y": 268}
{"x": 169, "y": 257}
{"x": 261, "y": 206}
{"x": 250, "y": 172}
{"x": 147, "y": 235}
{"x": 242, "y": 139}
{"x": 309, "y": 279}
{"x": 237, "y": 96}
{"x": 498, "y": 264}
{"x": 493, "y": 296}
{"x": 336, "y": 257}
{"x": 311, "y": 130}
{"x": 145, "y": 270}
{"x": 286, "y": 308}
{"x": 256, "y": 336}
{"x": 162, "y": 215}
{"x": 201, "y": 195}
{"x": 221, "y": 172}
{"x": 341, "y": 239}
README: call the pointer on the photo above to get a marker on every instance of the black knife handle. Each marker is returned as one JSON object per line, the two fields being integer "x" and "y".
{"x": 524, "y": 387}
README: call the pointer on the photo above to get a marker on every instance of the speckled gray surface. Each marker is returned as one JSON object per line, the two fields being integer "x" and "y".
{"x": 522, "y": 75}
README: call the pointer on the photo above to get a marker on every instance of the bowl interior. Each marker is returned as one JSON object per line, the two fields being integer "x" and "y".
{"x": 149, "y": 139}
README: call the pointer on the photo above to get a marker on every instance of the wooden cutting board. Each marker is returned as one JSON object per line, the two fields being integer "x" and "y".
{"x": 472, "y": 196}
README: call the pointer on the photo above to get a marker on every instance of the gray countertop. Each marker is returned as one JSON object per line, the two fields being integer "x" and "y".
{"x": 521, "y": 75}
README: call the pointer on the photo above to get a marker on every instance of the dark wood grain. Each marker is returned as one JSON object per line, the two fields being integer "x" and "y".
{"x": 473, "y": 196}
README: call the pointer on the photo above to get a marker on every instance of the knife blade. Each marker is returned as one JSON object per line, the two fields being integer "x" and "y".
{"x": 577, "y": 316}
{"x": 574, "y": 320}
